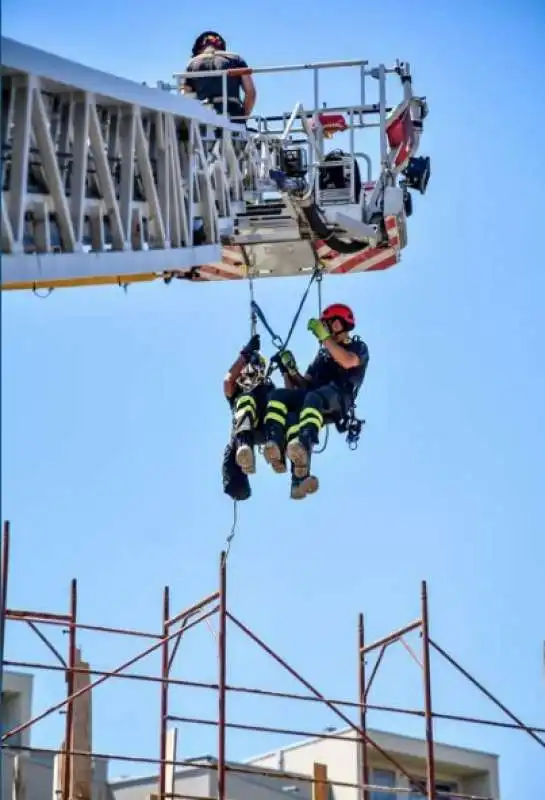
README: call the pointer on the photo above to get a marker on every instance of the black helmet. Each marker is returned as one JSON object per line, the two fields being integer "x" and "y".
{"x": 216, "y": 39}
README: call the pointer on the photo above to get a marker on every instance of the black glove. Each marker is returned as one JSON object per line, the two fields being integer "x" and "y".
{"x": 253, "y": 346}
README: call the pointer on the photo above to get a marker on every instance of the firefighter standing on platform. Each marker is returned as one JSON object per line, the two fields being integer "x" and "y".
{"x": 210, "y": 53}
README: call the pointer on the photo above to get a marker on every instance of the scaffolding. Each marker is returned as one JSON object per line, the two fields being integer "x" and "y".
{"x": 167, "y": 642}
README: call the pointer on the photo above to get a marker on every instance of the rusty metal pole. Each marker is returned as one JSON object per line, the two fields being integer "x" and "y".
{"x": 70, "y": 677}
{"x": 165, "y": 669}
{"x": 222, "y": 676}
{"x": 3, "y": 609}
{"x": 428, "y": 711}
{"x": 364, "y": 753}
{"x": 519, "y": 723}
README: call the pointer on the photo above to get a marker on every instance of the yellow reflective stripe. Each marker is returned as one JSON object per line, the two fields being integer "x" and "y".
{"x": 292, "y": 431}
{"x": 245, "y": 400}
{"x": 311, "y": 414}
{"x": 278, "y": 406}
{"x": 272, "y": 417}
{"x": 312, "y": 421}
{"x": 240, "y": 413}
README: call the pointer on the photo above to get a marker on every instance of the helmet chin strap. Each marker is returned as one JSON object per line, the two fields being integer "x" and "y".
{"x": 337, "y": 336}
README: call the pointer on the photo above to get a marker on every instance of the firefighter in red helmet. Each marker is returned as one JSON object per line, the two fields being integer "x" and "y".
{"x": 324, "y": 394}
{"x": 209, "y": 53}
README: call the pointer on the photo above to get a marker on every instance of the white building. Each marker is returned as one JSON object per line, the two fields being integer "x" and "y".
{"x": 458, "y": 770}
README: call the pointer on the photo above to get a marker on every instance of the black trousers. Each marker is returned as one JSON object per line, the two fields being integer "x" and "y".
{"x": 247, "y": 428}
{"x": 236, "y": 483}
{"x": 249, "y": 414}
{"x": 311, "y": 409}
{"x": 235, "y": 111}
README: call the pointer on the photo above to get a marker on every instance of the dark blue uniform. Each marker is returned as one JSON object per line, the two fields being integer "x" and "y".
{"x": 327, "y": 397}
{"x": 210, "y": 89}
{"x": 324, "y": 371}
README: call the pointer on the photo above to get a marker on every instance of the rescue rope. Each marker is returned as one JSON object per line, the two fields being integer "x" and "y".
{"x": 229, "y": 540}
{"x": 250, "y": 272}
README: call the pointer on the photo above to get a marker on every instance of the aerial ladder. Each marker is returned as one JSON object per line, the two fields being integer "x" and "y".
{"x": 106, "y": 181}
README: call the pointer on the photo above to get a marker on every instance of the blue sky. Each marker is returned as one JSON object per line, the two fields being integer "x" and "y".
{"x": 114, "y": 420}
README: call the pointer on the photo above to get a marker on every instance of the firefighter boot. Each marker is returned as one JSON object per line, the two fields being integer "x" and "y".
{"x": 298, "y": 452}
{"x": 245, "y": 455}
{"x": 300, "y": 487}
{"x": 274, "y": 446}
{"x": 299, "y": 448}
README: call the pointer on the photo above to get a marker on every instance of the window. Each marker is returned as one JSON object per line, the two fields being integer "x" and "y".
{"x": 440, "y": 786}
{"x": 383, "y": 777}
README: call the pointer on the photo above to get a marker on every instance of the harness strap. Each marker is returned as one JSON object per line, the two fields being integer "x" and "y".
{"x": 257, "y": 312}
{"x": 220, "y": 100}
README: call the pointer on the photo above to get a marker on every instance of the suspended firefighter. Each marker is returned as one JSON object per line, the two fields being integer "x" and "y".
{"x": 210, "y": 53}
{"x": 247, "y": 389}
{"x": 325, "y": 394}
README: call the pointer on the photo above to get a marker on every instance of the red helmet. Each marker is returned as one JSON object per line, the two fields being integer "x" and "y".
{"x": 341, "y": 312}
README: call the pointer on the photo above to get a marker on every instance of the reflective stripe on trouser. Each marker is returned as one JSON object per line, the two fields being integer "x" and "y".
{"x": 292, "y": 432}
{"x": 310, "y": 423}
{"x": 245, "y": 411}
{"x": 276, "y": 413}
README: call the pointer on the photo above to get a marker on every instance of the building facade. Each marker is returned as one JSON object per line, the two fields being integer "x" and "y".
{"x": 458, "y": 770}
